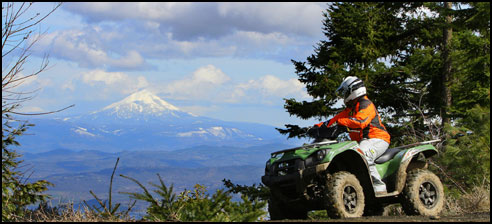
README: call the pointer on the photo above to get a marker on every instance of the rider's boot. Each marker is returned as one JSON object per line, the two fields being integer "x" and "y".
{"x": 378, "y": 185}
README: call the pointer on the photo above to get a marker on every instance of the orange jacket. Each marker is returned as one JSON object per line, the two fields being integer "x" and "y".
{"x": 363, "y": 118}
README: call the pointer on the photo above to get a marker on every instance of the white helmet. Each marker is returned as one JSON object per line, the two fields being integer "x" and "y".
{"x": 351, "y": 88}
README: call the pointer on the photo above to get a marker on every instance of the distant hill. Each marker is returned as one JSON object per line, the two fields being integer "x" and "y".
{"x": 64, "y": 161}
{"x": 74, "y": 173}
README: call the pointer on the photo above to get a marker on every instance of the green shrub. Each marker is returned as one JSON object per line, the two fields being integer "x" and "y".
{"x": 466, "y": 156}
{"x": 197, "y": 205}
{"x": 17, "y": 193}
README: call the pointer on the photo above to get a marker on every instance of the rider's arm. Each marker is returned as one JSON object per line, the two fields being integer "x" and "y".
{"x": 343, "y": 114}
{"x": 361, "y": 119}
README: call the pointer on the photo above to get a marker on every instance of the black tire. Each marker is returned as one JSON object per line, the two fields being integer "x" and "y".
{"x": 344, "y": 196}
{"x": 423, "y": 194}
{"x": 374, "y": 209}
{"x": 279, "y": 211}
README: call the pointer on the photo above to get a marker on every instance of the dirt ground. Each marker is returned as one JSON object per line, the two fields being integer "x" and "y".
{"x": 473, "y": 217}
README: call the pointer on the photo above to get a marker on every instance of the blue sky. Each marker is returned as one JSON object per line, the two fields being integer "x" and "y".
{"x": 230, "y": 61}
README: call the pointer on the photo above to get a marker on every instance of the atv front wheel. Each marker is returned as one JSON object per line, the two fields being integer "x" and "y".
{"x": 423, "y": 194}
{"x": 344, "y": 197}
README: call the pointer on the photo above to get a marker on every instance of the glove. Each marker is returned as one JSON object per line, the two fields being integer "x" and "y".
{"x": 313, "y": 131}
{"x": 325, "y": 124}
{"x": 332, "y": 132}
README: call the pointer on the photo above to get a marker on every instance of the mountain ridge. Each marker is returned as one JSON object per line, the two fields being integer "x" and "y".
{"x": 143, "y": 121}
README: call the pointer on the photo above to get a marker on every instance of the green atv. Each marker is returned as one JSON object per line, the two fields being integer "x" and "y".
{"x": 334, "y": 176}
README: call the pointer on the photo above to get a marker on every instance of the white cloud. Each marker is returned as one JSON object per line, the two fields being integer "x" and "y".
{"x": 261, "y": 38}
{"x": 69, "y": 85}
{"x": 268, "y": 88}
{"x": 99, "y": 11}
{"x": 211, "y": 19}
{"x": 276, "y": 16}
{"x": 210, "y": 84}
{"x": 200, "y": 85}
{"x": 114, "y": 81}
{"x": 89, "y": 48}
{"x": 124, "y": 36}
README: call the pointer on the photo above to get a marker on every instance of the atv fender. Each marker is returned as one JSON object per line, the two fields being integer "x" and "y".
{"x": 413, "y": 158}
{"x": 348, "y": 160}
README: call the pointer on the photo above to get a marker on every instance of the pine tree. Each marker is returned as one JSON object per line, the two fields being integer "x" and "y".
{"x": 17, "y": 193}
{"x": 469, "y": 141}
{"x": 398, "y": 50}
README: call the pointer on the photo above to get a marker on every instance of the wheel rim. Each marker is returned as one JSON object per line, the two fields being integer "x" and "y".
{"x": 428, "y": 194}
{"x": 350, "y": 199}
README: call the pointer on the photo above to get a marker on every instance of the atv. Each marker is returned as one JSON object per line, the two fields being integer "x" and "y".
{"x": 334, "y": 176}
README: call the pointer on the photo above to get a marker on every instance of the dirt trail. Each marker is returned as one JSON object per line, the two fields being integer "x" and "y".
{"x": 473, "y": 217}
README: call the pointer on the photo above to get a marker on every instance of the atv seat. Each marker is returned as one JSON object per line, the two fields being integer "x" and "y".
{"x": 389, "y": 154}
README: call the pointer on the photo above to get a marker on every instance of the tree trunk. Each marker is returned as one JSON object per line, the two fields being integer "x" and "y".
{"x": 446, "y": 73}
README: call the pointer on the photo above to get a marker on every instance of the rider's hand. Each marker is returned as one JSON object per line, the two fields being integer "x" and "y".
{"x": 313, "y": 131}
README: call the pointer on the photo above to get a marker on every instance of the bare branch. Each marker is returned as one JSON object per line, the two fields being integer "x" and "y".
{"x": 17, "y": 41}
{"x": 51, "y": 112}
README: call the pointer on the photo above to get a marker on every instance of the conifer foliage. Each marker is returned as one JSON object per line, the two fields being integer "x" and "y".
{"x": 398, "y": 50}
{"x": 17, "y": 193}
{"x": 426, "y": 66}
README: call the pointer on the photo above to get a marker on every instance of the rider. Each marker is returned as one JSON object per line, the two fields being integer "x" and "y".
{"x": 362, "y": 119}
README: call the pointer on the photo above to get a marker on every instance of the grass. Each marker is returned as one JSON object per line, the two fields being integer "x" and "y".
{"x": 68, "y": 213}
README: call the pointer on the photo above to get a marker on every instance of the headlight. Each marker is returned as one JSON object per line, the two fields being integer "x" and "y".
{"x": 278, "y": 155}
{"x": 320, "y": 155}
{"x": 267, "y": 167}
{"x": 315, "y": 157}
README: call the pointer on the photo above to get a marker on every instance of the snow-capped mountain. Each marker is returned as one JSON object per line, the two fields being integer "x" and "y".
{"x": 142, "y": 106}
{"x": 143, "y": 121}
{"x": 142, "y": 103}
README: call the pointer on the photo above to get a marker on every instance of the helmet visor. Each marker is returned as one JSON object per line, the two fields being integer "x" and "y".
{"x": 342, "y": 92}
{"x": 348, "y": 87}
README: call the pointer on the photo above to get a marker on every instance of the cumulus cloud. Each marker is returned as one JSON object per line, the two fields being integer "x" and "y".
{"x": 277, "y": 16}
{"x": 114, "y": 81}
{"x": 211, "y": 84}
{"x": 100, "y": 11}
{"x": 268, "y": 88}
{"x": 89, "y": 49}
{"x": 124, "y": 36}
{"x": 189, "y": 21}
{"x": 200, "y": 85}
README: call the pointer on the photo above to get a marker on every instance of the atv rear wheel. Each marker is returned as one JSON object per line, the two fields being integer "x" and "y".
{"x": 344, "y": 196}
{"x": 423, "y": 194}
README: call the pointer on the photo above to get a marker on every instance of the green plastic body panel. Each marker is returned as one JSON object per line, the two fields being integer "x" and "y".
{"x": 304, "y": 153}
{"x": 392, "y": 166}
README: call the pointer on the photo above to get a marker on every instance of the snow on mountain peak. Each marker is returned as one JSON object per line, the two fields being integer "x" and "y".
{"x": 142, "y": 102}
